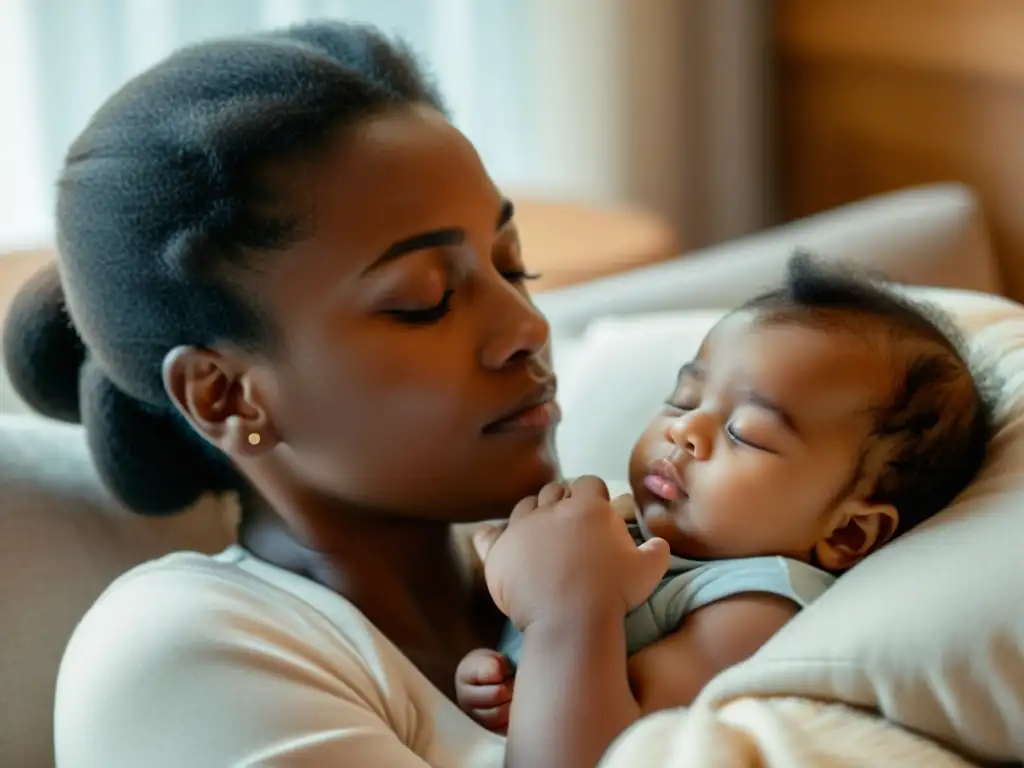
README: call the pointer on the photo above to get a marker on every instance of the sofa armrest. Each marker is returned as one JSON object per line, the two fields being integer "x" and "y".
{"x": 933, "y": 235}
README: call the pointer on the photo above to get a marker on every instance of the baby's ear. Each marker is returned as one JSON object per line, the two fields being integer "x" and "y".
{"x": 859, "y": 529}
{"x": 625, "y": 506}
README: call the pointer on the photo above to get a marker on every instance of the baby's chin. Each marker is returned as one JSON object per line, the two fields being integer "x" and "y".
{"x": 669, "y": 521}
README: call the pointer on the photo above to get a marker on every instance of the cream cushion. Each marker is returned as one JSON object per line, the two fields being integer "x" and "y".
{"x": 63, "y": 539}
{"x": 930, "y": 630}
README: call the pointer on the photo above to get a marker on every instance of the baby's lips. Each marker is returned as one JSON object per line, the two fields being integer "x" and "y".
{"x": 662, "y": 488}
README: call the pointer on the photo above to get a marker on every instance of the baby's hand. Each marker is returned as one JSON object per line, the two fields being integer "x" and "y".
{"x": 483, "y": 688}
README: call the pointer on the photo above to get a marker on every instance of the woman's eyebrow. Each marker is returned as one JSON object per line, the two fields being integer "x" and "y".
{"x": 435, "y": 238}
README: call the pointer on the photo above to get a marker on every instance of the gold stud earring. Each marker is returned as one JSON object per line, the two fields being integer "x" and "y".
{"x": 254, "y": 438}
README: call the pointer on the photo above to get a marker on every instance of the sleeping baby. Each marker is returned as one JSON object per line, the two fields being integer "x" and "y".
{"x": 816, "y": 423}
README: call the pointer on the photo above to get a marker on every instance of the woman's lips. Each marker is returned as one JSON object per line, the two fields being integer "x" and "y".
{"x": 535, "y": 418}
{"x": 664, "y": 482}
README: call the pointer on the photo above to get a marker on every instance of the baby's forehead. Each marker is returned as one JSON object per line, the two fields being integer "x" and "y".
{"x": 855, "y": 361}
{"x": 810, "y": 336}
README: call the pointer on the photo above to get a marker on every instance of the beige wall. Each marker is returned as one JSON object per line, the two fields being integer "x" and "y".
{"x": 660, "y": 103}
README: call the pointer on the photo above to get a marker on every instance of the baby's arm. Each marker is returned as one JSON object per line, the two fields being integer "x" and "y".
{"x": 671, "y": 672}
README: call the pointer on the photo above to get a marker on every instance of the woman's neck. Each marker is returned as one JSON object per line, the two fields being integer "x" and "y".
{"x": 407, "y": 576}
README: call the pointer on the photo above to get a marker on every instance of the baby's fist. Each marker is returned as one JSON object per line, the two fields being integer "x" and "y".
{"x": 483, "y": 688}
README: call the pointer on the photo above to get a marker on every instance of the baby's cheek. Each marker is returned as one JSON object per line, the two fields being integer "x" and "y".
{"x": 645, "y": 450}
{"x": 726, "y": 509}
{"x": 734, "y": 502}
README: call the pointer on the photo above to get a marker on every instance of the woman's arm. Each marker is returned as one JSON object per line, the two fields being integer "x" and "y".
{"x": 572, "y": 696}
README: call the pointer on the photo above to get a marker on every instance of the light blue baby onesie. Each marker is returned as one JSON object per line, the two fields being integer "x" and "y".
{"x": 692, "y": 584}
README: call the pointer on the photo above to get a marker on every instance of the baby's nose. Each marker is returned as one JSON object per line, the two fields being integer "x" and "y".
{"x": 690, "y": 435}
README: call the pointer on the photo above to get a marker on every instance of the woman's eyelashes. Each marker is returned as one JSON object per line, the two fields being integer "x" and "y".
{"x": 436, "y": 313}
{"x": 518, "y": 276}
{"x": 425, "y": 316}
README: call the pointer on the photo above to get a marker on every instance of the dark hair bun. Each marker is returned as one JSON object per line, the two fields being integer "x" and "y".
{"x": 42, "y": 351}
{"x": 147, "y": 456}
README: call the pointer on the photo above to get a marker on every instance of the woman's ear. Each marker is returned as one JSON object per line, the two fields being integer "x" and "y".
{"x": 859, "y": 529}
{"x": 214, "y": 391}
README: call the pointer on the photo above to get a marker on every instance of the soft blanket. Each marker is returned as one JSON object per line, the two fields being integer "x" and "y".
{"x": 773, "y": 733}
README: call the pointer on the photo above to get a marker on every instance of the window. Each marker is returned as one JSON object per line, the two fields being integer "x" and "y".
{"x": 59, "y": 60}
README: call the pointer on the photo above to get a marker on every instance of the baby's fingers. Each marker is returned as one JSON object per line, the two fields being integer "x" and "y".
{"x": 477, "y": 697}
{"x": 495, "y": 719}
{"x": 589, "y": 485}
{"x": 552, "y": 493}
{"x": 483, "y": 666}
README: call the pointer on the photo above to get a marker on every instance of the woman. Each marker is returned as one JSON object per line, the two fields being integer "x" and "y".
{"x": 292, "y": 278}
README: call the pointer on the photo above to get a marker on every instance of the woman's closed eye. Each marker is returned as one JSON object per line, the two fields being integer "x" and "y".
{"x": 519, "y": 276}
{"x": 508, "y": 259}
{"x": 425, "y": 315}
{"x": 437, "y": 312}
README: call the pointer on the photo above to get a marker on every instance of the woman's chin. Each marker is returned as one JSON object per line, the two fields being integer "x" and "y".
{"x": 497, "y": 499}
{"x": 534, "y": 471}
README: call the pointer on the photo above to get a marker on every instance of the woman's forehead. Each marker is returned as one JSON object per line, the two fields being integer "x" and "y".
{"x": 394, "y": 176}
{"x": 391, "y": 176}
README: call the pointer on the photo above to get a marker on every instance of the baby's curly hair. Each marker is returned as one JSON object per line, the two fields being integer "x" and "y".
{"x": 931, "y": 434}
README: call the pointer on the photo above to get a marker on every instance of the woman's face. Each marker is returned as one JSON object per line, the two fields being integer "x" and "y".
{"x": 407, "y": 335}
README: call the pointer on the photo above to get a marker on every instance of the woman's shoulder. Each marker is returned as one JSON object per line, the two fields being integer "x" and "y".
{"x": 194, "y": 573}
{"x": 183, "y": 582}
{"x": 193, "y": 597}
{"x": 205, "y": 616}
{"x": 192, "y": 648}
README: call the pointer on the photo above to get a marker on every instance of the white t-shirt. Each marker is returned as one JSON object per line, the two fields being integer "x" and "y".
{"x": 216, "y": 662}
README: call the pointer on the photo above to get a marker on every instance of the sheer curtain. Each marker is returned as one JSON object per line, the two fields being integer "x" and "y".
{"x": 61, "y": 58}
{"x": 647, "y": 102}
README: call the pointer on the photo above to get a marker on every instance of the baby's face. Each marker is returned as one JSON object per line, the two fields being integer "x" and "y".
{"x": 761, "y": 438}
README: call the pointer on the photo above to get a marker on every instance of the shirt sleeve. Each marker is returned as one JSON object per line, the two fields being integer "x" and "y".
{"x": 686, "y": 592}
{"x": 177, "y": 669}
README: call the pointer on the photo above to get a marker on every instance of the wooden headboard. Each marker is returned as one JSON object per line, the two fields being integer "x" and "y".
{"x": 875, "y": 95}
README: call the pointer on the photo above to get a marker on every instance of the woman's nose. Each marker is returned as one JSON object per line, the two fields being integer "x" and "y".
{"x": 517, "y": 331}
{"x": 692, "y": 434}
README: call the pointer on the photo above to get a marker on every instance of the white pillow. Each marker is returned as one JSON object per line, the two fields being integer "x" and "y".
{"x": 930, "y": 630}
{"x": 615, "y": 381}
